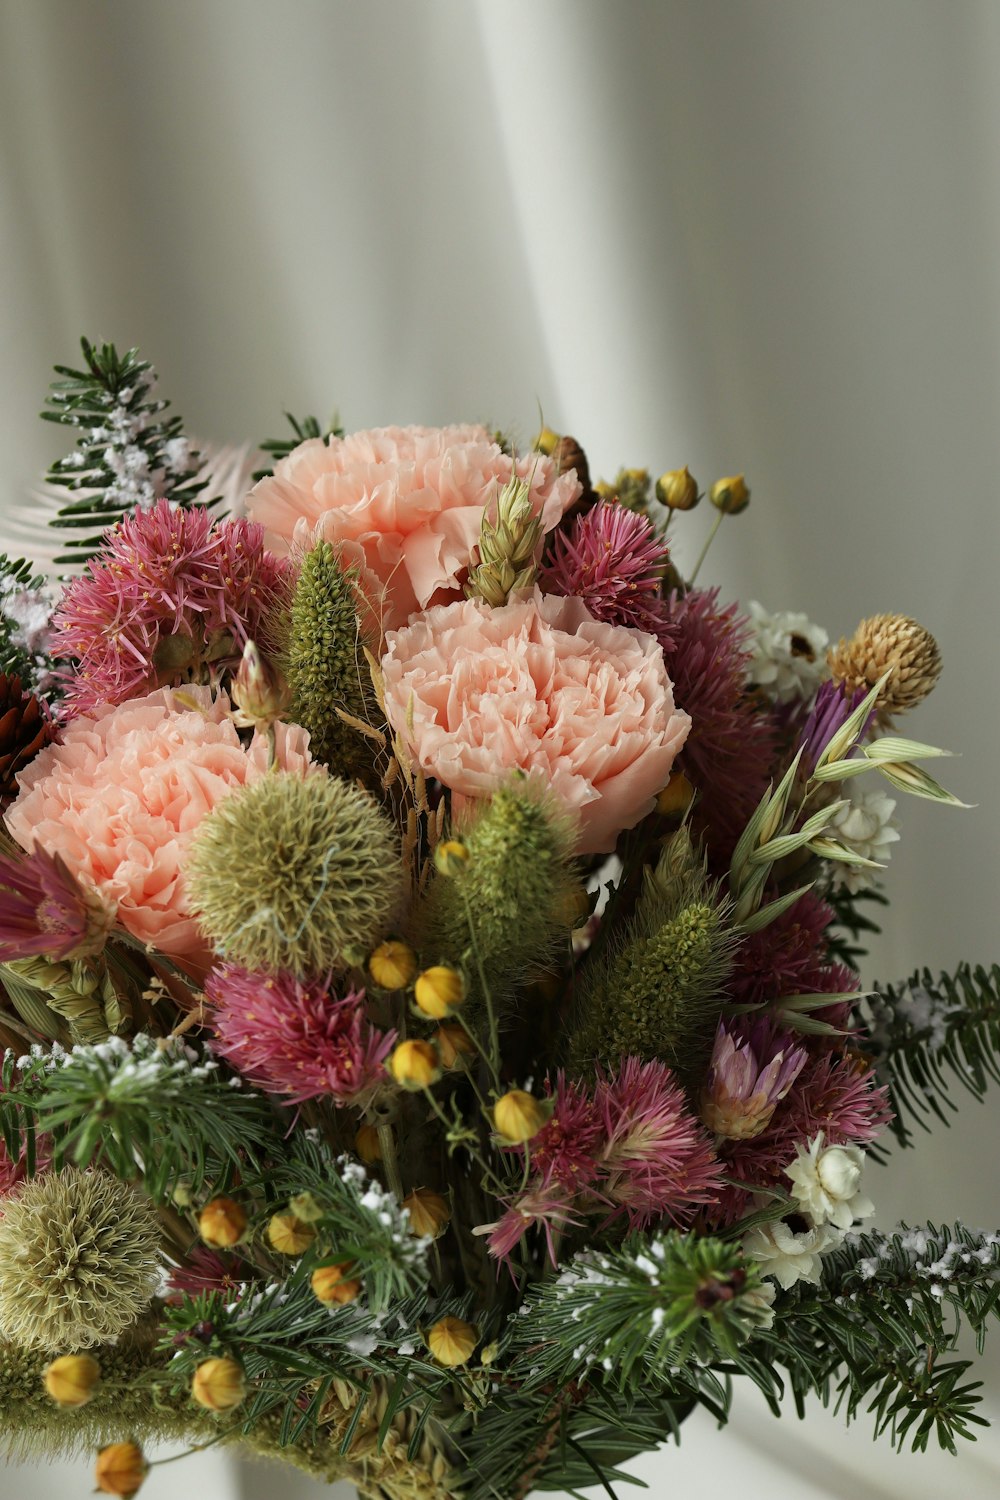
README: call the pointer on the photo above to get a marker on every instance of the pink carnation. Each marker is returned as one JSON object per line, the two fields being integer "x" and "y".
{"x": 121, "y": 798}
{"x": 539, "y": 686}
{"x": 410, "y": 500}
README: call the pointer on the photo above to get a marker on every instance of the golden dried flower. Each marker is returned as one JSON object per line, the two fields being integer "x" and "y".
{"x": 439, "y": 991}
{"x": 415, "y": 1065}
{"x": 334, "y": 1283}
{"x": 289, "y": 1235}
{"x": 366, "y": 1144}
{"x": 453, "y": 1043}
{"x": 222, "y": 1223}
{"x": 676, "y": 795}
{"x": 120, "y": 1469}
{"x": 886, "y": 642}
{"x": 678, "y": 489}
{"x": 518, "y": 1116}
{"x": 305, "y": 1207}
{"x": 393, "y": 965}
{"x": 72, "y": 1379}
{"x": 546, "y": 441}
{"x": 730, "y": 495}
{"x": 429, "y": 1212}
{"x": 219, "y": 1384}
{"x": 451, "y": 857}
{"x": 451, "y": 1341}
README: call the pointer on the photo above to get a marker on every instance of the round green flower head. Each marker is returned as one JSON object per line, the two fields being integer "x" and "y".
{"x": 294, "y": 873}
{"x": 79, "y": 1260}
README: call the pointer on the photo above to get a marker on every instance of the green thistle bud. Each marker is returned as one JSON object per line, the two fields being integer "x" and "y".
{"x": 507, "y": 547}
{"x": 325, "y": 664}
{"x": 79, "y": 1259}
{"x": 321, "y": 861}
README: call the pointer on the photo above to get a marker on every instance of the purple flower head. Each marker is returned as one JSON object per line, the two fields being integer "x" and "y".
{"x": 834, "y": 704}
{"x": 612, "y": 559}
{"x": 752, "y": 1069}
{"x": 45, "y": 911}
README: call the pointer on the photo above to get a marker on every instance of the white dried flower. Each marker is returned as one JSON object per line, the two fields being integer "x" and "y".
{"x": 757, "y": 1305}
{"x": 826, "y": 1183}
{"x": 790, "y": 1255}
{"x": 788, "y": 660}
{"x": 866, "y": 827}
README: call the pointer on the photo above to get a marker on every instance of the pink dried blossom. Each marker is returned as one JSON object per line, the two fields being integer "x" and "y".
{"x": 169, "y": 594}
{"x": 550, "y": 1208}
{"x": 44, "y": 910}
{"x": 565, "y": 1149}
{"x": 789, "y": 957}
{"x": 752, "y": 1069}
{"x": 613, "y": 560}
{"x": 206, "y": 1271}
{"x": 294, "y": 1037}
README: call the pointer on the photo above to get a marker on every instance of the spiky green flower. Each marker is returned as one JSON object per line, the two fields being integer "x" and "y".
{"x": 324, "y": 664}
{"x": 508, "y": 904}
{"x": 79, "y": 1260}
{"x": 296, "y": 873}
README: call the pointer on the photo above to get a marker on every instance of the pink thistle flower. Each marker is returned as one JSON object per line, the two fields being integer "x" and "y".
{"x": 790, "y": 958}
{"x": 613, "y": 560}
{"x": 206, "y": 1271}
{"x": 732, "y": 747}
{"x": 169, "y": 593}
{"x": 293, "y": 1037}
{"x": 656, "y": 1159}
{"x": 549, "y": 1208}
{"x": 564, "y": 1150}
{"x": 44, "y": 910}
{"x": 752, "y": 1069}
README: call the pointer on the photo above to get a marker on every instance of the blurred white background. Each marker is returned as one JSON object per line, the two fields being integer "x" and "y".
{"x": 757, "y": 235}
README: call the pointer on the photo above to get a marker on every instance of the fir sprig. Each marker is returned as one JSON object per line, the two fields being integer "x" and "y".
{"x": 21, "y": 593}
{"x": 127, "y": 455}
{"x": 302, "y": 429}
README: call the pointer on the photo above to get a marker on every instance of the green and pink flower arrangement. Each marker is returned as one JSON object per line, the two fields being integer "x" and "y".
{"x": 429, "y": 925}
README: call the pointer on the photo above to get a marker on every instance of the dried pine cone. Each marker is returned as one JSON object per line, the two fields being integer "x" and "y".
{"x": 882, "y": 642}
{"x": 25, "y": 728}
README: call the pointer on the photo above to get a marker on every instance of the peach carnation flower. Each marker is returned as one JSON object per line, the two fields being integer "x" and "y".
{"x": 541, "y": 686}
{"x": 121, "y": 797}
{"x": 407, "y": 502}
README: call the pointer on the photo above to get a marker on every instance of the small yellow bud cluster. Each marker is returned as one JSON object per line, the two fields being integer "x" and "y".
{"x": 678, "y": 489}
{"x": 676, "y": 796}
{"x": 290, "y": 1235}
{"x": 72, "y": 1379}
{"x": 222, "y": 1223}
{"x": 429, "y": 1213}
{"x": 438, "y": 991}
{"x": 393, "y": 966}
{"x": 366, "y": 1144}
{"x": 334, "y": 1283}
{"x": 451, "y": 857}
{"x": 120, "y": 1470}
{"x": 415, "y": 1065}
{"x": 452, "y": 1342}
{"x": 219, "y": 1384}
{"x": 453, "y": 1043}
{"x": 518, "y": 1117}
{"x": 730, "y": 495}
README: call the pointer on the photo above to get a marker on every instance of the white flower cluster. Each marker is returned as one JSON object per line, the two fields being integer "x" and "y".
{"x": 826, "y": 1193}
{"x": 788, "y": 660}
{"x": 866, "y": 827}
{"x": 923, "y": 1011}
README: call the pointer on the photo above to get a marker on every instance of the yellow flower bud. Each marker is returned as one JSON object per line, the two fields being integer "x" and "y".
{"x": 72, "y": 1379}
{"x": 605, "y": 490}
{"x": 305, "y": 1208}
{"x": 219, "y": 1384}
{"x": 678, "y": 489}
{"x": 439, "y": 991}
{"x": 638, "y": 477}
{"x": 222, "y": 1223}
{"x": 429, "y": 1212}
{"x": 676, "y": 795}
{"x": 289, "y": 1235}
{"x": 366, "y": 1144}
{"x": 393, "y": 965}
{"x": 546, "y": 441}
{"x": 415, "y": 1065}
{"x": 120, "y": 1469}
{"x": 451, "y": 1341}
{"x": 453, "y": 1043}
{"x": 730, "y": 495}
{"x": 333, "y": 1284}
{"x": 518, "y": 1116}
{"x": 451, "y": 857}
{"x": 574, "y": 905}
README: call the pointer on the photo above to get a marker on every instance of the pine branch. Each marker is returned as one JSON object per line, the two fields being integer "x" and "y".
{"x": 843, "y": 946}
{"x": 24, "y": 613}
{"x": 926, "y": 1033}
{"x": 127, "y": 455}
{"x": 308, "y": 427}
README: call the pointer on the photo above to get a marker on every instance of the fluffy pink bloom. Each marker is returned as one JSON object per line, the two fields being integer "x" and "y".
{"x": 44, "y": 910}
{"x": 657, "y": 1160}
{"x": 294, "y": 1037}
{"x": 410, "y": 499}
{"x": 789, "y": 957}
{"x": 565, "y": 1149}
{"x": 207, "y": 1271}
{"x": 752, "y": 1069}
{"x": 612, "y": 560}
{"x": 169, "y": 593}
{"x": 539, "y": 686}
{"x": 121, "y": 798}
{"x": 550, "y": 1208}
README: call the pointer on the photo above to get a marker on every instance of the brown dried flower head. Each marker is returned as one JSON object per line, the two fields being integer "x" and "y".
{"x": 883, "y": 643}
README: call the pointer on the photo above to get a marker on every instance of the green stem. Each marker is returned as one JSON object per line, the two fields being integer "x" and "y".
{"x": 493, "y": 1060}
{"x": 720, "y": 515}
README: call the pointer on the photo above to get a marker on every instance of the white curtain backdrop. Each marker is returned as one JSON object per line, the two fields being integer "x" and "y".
{"x": 757, "y": 235}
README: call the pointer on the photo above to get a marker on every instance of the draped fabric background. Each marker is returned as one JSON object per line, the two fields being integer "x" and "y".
{"x": 757, "y": 235}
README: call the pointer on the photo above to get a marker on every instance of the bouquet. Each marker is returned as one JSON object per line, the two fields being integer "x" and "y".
{"x": 435, "y": 1055}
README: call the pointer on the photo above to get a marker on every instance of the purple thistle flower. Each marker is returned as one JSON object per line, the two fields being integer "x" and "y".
{"x": 834, "y": 704}
{"x": 45, "y": 911}
{"x": 612, "y": 559}
{"x": 752, "y": 1069}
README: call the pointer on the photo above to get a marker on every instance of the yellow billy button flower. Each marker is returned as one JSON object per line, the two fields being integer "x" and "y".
{"x": 451, "y": 1341}
{"x": 451, "y": 857}
{"x": 518, "y": 1116}
{"x": 219, "y": 1384}
{"x": 439, "y": 991}
{"x": 453, "y": 1043}
{"x": 546, "y": 441}
{"x": 393, "y": 966}
{"x": 676, "y": 795}
{"x": 304, "y": 1206}
{"x": 120, "y": 1469}
{"x": 429, "y": 1212}
{"x": 289, "y": 1235}
{"x": 72, "y": 1379}
{"x": 678, "y": 489}
{"x": 366, "y": 1144}
{"x": 730, "y": 495}
{"x": 415, "y": 1065}
{"x": 222, "y": 1223}
{"x": 334, "y": 1284}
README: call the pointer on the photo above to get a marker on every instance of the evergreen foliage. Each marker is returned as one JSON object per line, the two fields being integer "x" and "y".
{"x": 19, "y": 587}
{"x": 302, "y": 429}
{"x": 128, "y": 454}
